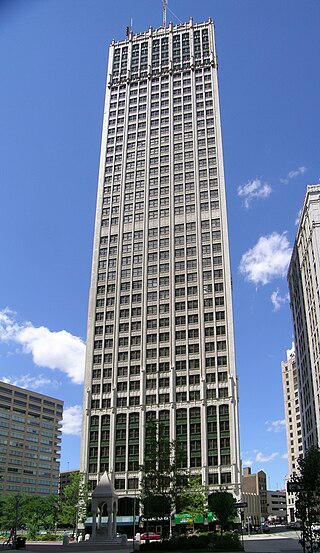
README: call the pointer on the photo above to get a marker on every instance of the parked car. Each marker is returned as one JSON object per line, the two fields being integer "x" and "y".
{"x": 265, "y": 528}
{"x": 150, "y": 536}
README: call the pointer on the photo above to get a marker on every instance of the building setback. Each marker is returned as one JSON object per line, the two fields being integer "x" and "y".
{"x": 303, "y": 278}
{"x": 29, "y": 441}
{"x": 160, "y": 344}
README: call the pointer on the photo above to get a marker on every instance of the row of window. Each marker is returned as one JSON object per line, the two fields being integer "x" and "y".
{"x": 163, "y": 366}
{"x": 133, "y": 483}
{"x": 162, "y": 53}
{"x": 164, "y": 415}
{"x": 179, "y": 228}
{"x": 161, "y": 382}
{"x": 192, "y": 333}
{"x": 183, "y": 193}
{"x": 109, "y": 315}
{"x": 161, "y": 398}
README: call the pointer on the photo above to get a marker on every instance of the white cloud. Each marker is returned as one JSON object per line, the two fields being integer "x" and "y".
{"x": 55, "y": 350}
{"x": 266, "y": 459}
{"x": 72, "y": 420}
{"x": 278, "y": 300}
{"x": 284, "y": 456}
{"x": 267, "y": 260}
{"x": 254, "y": 189}
{"x": 293, "y": 174}
{"x": 30, "y": 382}
{"x": 247, "y": 462}
{"x": 276, "y": 426}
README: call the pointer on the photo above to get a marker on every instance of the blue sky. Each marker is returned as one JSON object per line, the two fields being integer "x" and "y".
{"x": 53, "y": 56}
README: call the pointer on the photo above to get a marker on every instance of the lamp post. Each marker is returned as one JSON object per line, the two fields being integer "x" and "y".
{"x": 17, "y": 504}
{"x": 77, "y": 506}
{"x": 134, "y": 521}
{"x": 172, "y": 523}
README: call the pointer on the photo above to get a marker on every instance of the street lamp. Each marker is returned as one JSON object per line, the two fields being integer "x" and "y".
{"x": 134, "y": 520}
{"x": 77, "y": 506}
{"x": 172, "y": 523}
{"x": 17, "y": 504}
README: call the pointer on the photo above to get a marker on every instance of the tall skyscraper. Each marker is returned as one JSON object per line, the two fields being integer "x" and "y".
{"x": 293, "y": 422}
{"x": 160, "y": 344}
{"x": 303, "y": 278}
{"x": 30, "y": 436}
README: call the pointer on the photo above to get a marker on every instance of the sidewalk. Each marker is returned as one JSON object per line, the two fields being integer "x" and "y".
{"x": 74, "y": 547}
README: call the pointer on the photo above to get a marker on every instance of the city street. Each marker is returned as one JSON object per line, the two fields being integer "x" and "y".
{"x": 280, "y": 540}
{"x": 277, "y": 541}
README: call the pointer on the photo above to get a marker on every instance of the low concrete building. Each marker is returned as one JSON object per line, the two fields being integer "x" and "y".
{"x": 277, "y": 505}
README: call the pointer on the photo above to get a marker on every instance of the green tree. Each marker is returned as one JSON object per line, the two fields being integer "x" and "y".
{"x": 222, "y": 505}
{"x": 74, "y": 501}
{"x": 39, "y": 512}
{"x": 162, "y": 476}
{"x": 193, "y": 499}
{"x": 31, "y": 512}
{"x": 11, "y": 509}
{"x": 308, "y": 499}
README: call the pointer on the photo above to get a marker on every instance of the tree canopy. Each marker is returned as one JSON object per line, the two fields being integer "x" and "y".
{"x": 73, "y": 501}
{"x": 222, "y": 504}
{"x": 31, "y": 512}
{"x": 308, "y": 499}
{"x": 162, "y": 478}
{"x": 193, "y": 499}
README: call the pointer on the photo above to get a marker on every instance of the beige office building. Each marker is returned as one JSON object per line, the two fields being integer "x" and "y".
{"x": 293, "y": 422}
{"x": 256, "y": 483}
{"x": 29, "y": 441}
{"x": 160, "y": 344}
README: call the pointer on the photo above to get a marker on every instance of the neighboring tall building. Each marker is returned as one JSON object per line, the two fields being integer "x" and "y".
{"x": 160, "y": 344}
{"x": 293, "y": 422}
{"x": 29, "y": 441}
{"x": 292, "y": 410}
{"x": 256, "y": 483}
{"x": 304, "y": 278}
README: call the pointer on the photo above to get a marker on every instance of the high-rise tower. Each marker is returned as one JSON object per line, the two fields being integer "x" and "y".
{"x": 292, "y": 411}
{"x": 303, "y": 279}
{"x": 160, "y": 342}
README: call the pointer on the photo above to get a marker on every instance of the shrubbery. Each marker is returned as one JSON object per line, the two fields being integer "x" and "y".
{"x": 46, "y": 537}
{"x": 204, "y": 542}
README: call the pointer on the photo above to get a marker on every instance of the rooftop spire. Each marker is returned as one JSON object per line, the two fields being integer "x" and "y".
{"x": 164, "y": 20}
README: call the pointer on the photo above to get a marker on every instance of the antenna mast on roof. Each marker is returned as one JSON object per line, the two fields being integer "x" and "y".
{"x": 164, "y": 21}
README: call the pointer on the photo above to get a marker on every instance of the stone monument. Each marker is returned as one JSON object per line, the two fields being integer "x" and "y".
{"x": 104, "y": 498}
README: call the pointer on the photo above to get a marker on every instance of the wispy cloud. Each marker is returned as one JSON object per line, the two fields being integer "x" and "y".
{"x": 284, "y": 456}
{"x": 30, "y": 382}
{"x": 260, "y": 458}
{"x": 254, "y": 189}
{"x": 72, "y": 420}
{"x": 247, "y": 462}
{"x": 292, "y": 174}
{"x": 267, "y": 260}
{"x": 278, "y": 300}
{"x": 55, "y": 350}
{"x": 276, "y": 426}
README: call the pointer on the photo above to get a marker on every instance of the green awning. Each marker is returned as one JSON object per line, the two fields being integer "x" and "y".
{"x": 186, "y": 518}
